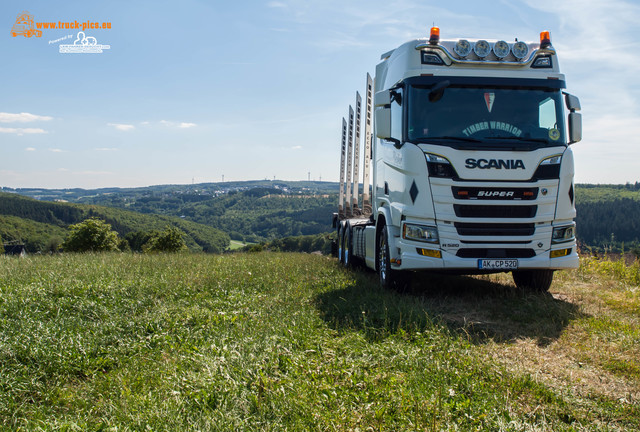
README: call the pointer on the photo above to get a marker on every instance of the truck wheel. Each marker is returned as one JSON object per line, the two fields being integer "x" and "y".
{"x": 341, "y": 243}
{"x": 533, "y": 280}
{"x": 389, "y": 278}
{"x": 347, "y": 248}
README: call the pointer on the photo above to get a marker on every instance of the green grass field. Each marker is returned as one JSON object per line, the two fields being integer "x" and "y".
{"x": 273, "y": 342}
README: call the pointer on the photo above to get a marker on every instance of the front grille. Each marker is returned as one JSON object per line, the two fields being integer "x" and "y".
{"x": 495, "y": 253}
{"x": 494, "y": 229}
{"x": 486, "y": 211}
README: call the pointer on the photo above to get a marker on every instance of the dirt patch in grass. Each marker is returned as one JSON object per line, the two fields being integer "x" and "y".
{"x": 580, "y": 359}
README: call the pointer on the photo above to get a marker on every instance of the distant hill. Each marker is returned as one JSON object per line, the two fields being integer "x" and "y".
{"x": 37, "y": 223}
{"x": 263, "y": 210}
{"x": 251, "y": 211}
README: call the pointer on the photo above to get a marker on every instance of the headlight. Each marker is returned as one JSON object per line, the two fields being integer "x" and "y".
{"x": 421, "y": 233}
{"x": 439, "y": 166}
{"x": 563, "y": 234}
{"x": 553, "y": 160}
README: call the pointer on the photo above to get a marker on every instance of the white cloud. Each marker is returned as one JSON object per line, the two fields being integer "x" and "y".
{"x": 22, "y": 131}
{"x": 22, "y": 118}
{"x": 56, "y": 150}
{"x": 121, "y": 127}
{"x": 276, "y": 4}
{"x": 296, "y": 147}
{"x": 180, "y": 125}
{"x": 90, "y": 173}
{"x": 30, "y": 149}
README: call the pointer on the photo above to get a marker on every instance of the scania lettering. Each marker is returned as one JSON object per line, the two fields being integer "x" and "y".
{"x": 494, "y": 163}
{"x": 467, "y": 144}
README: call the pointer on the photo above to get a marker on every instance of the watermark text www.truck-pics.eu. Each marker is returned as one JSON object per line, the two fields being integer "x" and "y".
{"x": 27, "y": 27}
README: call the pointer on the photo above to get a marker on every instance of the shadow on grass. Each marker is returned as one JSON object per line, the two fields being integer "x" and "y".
{"x": 476, "y": 309}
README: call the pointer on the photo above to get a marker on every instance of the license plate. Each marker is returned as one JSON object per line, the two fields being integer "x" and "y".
{"x": 498, "y": 264}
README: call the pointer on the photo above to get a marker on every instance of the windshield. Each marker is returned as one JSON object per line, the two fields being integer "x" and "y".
{"x": 494, "y": 116}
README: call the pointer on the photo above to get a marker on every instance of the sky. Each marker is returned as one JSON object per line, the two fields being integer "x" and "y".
{"x": 198, "y": 91}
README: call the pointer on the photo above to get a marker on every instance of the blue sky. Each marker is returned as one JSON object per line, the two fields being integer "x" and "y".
{"x": 194, "y": 90}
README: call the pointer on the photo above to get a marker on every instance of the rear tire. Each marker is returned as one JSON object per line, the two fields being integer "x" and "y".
{"x": 347, "y": 247}
{"x": 389, "y": 278}
{"x": 340, "y": 243}
{"x": 533, "y": 280}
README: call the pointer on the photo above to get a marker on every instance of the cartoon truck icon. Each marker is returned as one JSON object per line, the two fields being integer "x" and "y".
{"x": 24, "y": 26}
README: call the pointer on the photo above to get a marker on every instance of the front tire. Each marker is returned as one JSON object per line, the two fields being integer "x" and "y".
{"x": 389, "y": 278}
{"x": 533, "y": 280}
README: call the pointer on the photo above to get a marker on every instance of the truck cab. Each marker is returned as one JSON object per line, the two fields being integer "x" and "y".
{"x": 472, "y": 165}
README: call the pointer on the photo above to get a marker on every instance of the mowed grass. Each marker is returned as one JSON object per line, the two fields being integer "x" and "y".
{"x": 279, "y": 342}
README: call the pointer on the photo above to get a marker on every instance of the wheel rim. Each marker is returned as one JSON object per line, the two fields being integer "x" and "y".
{"x": 382, "y": 261}
{"x": 346, "y": 248}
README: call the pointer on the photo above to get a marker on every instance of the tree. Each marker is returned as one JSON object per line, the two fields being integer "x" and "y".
{"x": 169, "y": 240}
{"x": 91, "y": 235}
{"x": 54, "y": 244}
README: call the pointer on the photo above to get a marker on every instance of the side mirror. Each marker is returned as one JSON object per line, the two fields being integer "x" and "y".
{"x": 382, "y": 98}
{"x": 575, "y": 127}
{"x": 575, "y": 119}
{"x": 573, "y": 103}
{"x": 383, "y": 122}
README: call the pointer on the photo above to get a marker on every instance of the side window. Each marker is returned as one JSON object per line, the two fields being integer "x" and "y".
{"x": 547, "y": 114}
{"x": 396, "y": 115}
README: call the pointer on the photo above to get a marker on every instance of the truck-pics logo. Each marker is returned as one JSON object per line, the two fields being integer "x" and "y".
{"x": 24, "y": 26}
{"x": 83, "y": 44}
{"x": 494, "y": 163}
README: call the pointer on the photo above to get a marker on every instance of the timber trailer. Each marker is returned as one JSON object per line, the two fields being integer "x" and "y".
{"x": 468, "y": 146}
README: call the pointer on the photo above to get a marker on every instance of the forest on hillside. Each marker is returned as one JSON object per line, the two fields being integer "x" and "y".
{"x": 263, "y": 212}
{"x": 42, "y": 225}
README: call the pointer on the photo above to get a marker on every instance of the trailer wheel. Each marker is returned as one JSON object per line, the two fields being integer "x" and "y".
{"x": 533, "y": 280}
{"x": 389, "y": 278}
{"x": 347, "y": 248}
{"x": 340, "y": 243}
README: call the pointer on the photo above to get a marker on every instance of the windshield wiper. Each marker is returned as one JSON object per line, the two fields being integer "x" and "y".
{"x": 541, "y": 140}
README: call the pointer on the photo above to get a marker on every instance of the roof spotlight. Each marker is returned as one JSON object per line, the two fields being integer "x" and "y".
{"x": 501, "y": 49}
{"x": 462, "y": 48}
{"x": 520, "y": 50}
{"x": 482, "y": 48}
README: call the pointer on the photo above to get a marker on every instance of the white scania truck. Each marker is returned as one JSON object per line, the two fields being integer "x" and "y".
{"x": 468, "y": 143}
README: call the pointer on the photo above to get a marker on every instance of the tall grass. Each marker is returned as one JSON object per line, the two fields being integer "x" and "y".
{"x": 270, "y": 341}
{"x": 616, "y": 269}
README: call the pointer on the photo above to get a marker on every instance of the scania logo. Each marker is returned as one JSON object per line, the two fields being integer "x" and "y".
{"x": 494, "y": 163}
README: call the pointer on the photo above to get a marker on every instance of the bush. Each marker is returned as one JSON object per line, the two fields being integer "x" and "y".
{"x": 91, "y": 235}
{"x": 169, "y": 240}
